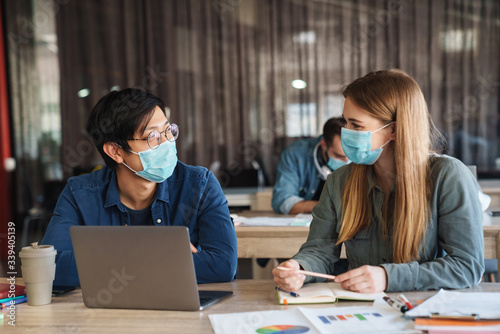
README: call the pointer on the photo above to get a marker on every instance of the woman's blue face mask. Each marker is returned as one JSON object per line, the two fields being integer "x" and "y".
{"x": 357, "y": 146}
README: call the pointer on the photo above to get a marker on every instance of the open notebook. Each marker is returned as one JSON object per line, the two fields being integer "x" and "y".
{"x": 313, "y": 293}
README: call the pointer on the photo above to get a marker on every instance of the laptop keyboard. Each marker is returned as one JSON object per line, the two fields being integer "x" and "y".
{"x": 206, "y": 300}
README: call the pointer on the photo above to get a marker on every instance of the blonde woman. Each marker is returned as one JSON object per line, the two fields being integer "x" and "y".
{"x": 410, "y": 219}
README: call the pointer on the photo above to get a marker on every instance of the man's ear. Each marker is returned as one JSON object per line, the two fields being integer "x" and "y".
{"x": 323, "y": 144}
{"x": 393, "y": 131}
{"x": 113, "y": 151}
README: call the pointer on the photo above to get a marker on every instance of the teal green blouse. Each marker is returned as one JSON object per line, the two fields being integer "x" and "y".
{"x": 451, "y": 256}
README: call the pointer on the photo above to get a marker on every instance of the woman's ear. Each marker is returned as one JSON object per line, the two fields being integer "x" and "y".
{"x": 393, "y": 131}
{"x": 113, "y": 151}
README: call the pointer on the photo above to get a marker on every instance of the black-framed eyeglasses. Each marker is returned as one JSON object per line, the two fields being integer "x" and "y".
{"x": 154, "y": 138}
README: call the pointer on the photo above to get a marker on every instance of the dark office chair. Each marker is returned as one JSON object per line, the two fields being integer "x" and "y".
{"x": 38, "y": 217}
{"x": 34, "y": 227}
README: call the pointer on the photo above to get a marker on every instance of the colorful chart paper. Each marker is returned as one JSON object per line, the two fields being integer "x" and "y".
{"x": 328, "y": 319}
{"x": 283, "y": 329}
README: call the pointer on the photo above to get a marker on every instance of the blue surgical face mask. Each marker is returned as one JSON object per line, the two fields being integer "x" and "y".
{"x": 157, "y": 164}
{"x": 357, "y": 146}
{"x": 333, "y": 163}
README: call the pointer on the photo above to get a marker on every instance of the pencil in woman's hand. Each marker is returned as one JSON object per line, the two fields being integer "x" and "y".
{"x": 309, "y": 273}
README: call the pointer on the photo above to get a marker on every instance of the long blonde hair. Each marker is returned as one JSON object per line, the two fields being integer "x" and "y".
{"x": 392, "y": 95}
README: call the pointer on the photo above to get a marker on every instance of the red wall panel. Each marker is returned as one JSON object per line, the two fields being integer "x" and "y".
{"x": 5, "y": 151}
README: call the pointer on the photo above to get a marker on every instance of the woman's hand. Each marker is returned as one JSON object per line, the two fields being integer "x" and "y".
{"x": 288, "y": 279}
{"x": 365, "y": 279}
{"x": 193, "y": 249}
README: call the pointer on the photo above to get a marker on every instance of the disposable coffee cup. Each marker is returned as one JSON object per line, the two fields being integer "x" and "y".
{"x": 39, "y": 269}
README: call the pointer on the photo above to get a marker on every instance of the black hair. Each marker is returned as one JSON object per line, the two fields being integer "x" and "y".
{"x": 118, "y": 115}
{"x": 332, "y": 128}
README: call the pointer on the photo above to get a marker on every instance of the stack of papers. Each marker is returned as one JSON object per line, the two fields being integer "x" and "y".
{"x": 463, "y": 304}
{"x": 438, "y": 326}
{"x": 458, "y": 312}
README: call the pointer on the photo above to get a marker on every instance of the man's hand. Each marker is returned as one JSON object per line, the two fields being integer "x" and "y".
{"x": 365, "y": 279}
{"x": 193, "y": 249}
{"x": 289, "y": 280}
{"x": 302, "y": 207}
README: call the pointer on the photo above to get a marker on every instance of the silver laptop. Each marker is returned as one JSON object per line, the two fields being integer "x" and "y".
{"x": 138, "y": 267}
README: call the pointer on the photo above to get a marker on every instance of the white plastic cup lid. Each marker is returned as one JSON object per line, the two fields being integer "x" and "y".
{"x": 35, "y": 251}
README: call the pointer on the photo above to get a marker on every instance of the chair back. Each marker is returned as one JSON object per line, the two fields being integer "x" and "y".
{"x": 492, "y": 246}
{"x": 473, "y": 170}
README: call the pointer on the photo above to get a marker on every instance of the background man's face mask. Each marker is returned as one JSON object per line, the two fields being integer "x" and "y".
{"x": 333, "y": 163}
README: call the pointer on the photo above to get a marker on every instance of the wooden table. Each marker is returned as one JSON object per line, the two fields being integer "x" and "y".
{"x": 67, "y": 314}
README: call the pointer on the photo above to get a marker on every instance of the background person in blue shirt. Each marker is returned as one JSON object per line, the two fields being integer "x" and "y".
{"x": 409, "y": 219}
{"x": 303, "y": 168}
{"x": 143, "y": 183}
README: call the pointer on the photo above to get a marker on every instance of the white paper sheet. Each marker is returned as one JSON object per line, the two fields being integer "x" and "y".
{"x": 379, "y": 318}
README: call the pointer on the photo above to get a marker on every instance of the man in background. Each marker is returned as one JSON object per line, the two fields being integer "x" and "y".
{"x": 304, "y": 167}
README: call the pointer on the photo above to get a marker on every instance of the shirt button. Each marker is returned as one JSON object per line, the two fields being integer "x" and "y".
{"x": 158, "y": 221}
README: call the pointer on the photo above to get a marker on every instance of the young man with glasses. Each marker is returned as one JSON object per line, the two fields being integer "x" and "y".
{"x": 143, "y": 183}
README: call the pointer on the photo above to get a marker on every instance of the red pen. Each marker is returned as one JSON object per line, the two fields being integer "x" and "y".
{"x": 405, "y": 301}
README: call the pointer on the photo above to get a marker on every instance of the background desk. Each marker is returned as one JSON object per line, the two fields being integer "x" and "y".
{"x": 253, "y": 198}
{"x": 269, "y": 241}
{"x": 67, "y": 314}
{"x": 491, "y": 231}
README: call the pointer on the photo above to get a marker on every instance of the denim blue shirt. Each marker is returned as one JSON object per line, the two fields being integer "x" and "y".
{"x": 191, "y": 197}
{"x": 297, "y": 177}
{"x": 451, "y": 256}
